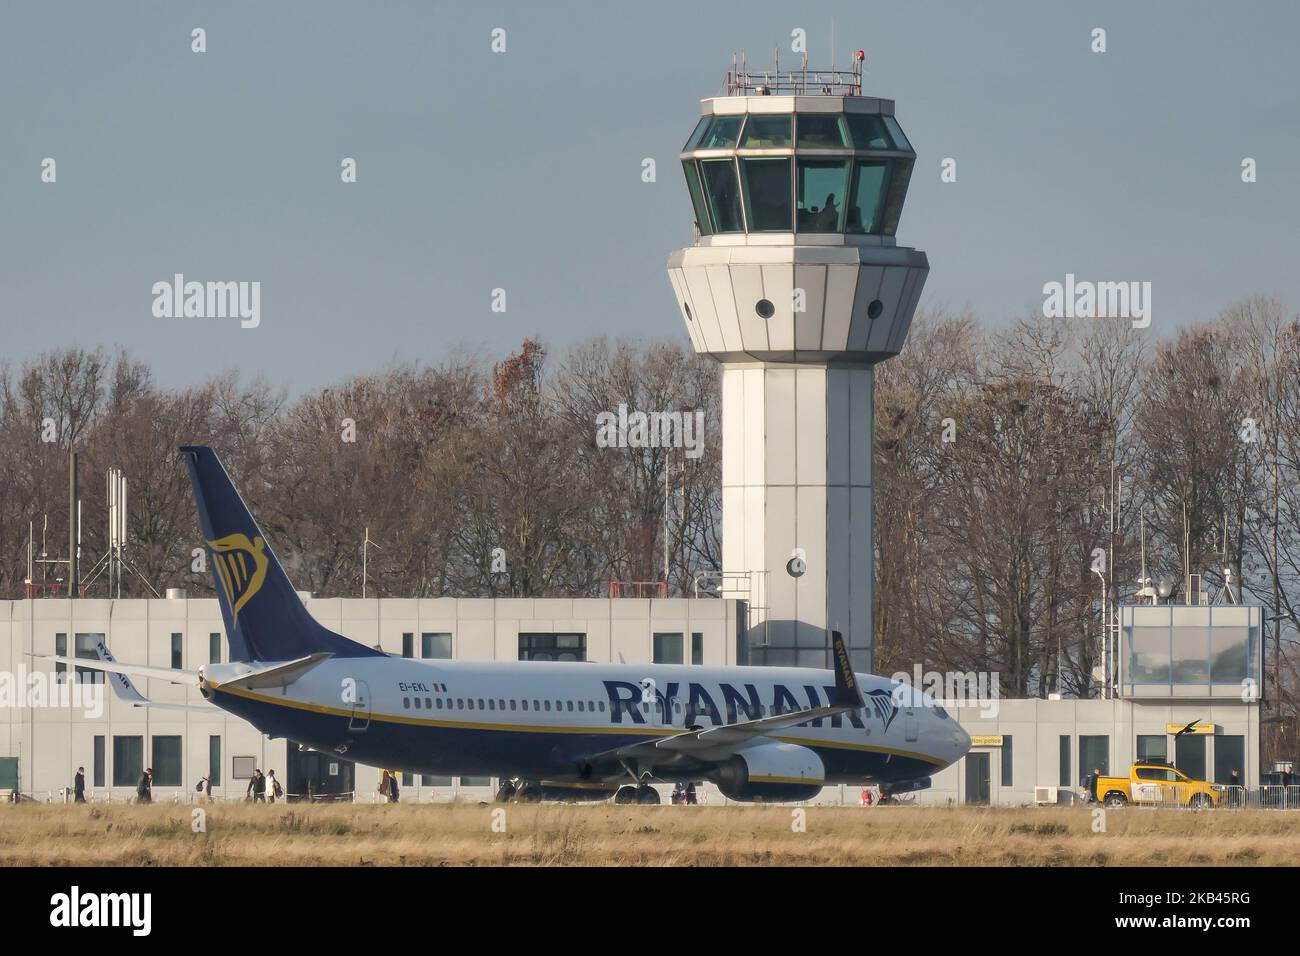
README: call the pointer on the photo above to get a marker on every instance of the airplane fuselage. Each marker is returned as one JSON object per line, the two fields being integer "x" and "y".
{"x": 546, "y": 720}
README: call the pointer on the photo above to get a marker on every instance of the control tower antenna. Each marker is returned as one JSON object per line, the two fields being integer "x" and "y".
{"x": 798, "y": 287}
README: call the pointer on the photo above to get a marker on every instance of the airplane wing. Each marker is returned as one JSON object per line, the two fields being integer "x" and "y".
{"x": 135, "y": 670}
{"x": 121, "y": 680}
{"x": 717, "y": 743}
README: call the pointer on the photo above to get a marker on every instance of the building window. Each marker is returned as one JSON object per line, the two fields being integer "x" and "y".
{"x": 552, "y": 647}
{"x": 822, "y": 184}
{"x": 1006, "y": 761}
{"x": 128, "y": 761}
{"x": 432, "y": 780}
{"x": 723, "y": 194}
{"x": 86, "y": 646}
{"x": 98, "y": 769}
{"x": 1064, "y": 779}
{"x": 61, "y": 650}
{"x": 767, "y": 194}
{"x": 697, "y": 648}
{"x": 1094, "y": 754}
{"x": 476, "y": 781}
{"x": 668, "y": 648}
{"x": 241, "y": 768}
{"x": 167, "y": 761}
{"x": 214, "y": 648}
{"x": 1153, "y": 748}
{"x": 435, "y": 647}
{"x": 408, "y": 644}
{"x": 1230, "y": 755}
{"x": 1189, "y": 755}
{"x": 214, "y": 760}
{"x": 177, "y": 646}
{"x": 408, "y": 779}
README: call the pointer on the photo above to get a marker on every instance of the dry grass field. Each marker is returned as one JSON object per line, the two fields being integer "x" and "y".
{"x": 606, "y": 835}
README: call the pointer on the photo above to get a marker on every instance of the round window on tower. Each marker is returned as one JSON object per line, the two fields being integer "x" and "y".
{"x": 765, "y": 309}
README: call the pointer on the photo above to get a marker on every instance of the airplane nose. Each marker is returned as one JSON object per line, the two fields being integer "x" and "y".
{"x": 960, "y": 740}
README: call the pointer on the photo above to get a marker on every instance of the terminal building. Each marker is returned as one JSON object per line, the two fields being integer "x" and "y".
{"x": 797, "y": 285}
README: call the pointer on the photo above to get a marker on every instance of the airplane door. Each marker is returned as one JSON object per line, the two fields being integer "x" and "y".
{"x": 911, "y": 726}
{"x": 360, "y": 719}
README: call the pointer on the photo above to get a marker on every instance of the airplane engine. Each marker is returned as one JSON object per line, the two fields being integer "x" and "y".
{"x": 771, "y": 771}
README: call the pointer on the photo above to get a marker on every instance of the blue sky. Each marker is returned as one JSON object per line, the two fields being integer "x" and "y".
{"x": 522, "y": 170}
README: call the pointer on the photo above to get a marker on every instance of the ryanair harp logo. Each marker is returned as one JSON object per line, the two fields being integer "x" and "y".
{"x": 241, "y": 567}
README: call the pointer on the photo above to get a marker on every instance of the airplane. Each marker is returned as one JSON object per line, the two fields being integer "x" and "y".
{"x": 547, "y": 730}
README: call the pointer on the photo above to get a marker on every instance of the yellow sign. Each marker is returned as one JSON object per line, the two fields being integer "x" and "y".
{"x": 988, "y": 740}
{"x": 1198, "y": 729}
{"x": 241, "y": 567}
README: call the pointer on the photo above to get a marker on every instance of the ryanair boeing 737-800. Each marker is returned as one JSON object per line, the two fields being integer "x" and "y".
{"x": 563, "y": 730}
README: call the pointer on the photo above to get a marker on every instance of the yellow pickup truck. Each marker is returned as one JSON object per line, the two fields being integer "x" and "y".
{"x": 1150, "y": 783}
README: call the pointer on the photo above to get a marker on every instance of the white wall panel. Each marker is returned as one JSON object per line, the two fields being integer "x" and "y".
{"x": 808, "y": 324}
{"x": 747, "y": 283}
{"x": 810, "y": 442}
{"x": 780, "y": 426}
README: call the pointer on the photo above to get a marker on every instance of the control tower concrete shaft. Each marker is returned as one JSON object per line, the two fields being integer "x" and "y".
{"x": 796, "y": 285}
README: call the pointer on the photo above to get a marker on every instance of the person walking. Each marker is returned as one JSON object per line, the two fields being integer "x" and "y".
{"x": 144, "y": 789}
{"x": 256, "y": 787}
{"x": 394, "y": 791}
{"x": 273, "y": 789}
{"x": 79, "y": 786}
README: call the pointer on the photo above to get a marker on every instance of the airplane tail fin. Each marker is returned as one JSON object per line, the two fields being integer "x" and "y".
{"x": 265, "y": 619}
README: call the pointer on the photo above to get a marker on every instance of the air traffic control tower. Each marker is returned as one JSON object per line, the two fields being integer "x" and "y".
{"x": 795, "y": 283}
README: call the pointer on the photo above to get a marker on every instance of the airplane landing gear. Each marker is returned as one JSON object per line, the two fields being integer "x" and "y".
{"x": 645, "y": 795}
{"x": 506, "y": 791}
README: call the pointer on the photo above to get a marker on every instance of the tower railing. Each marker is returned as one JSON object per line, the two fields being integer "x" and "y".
{"x": 795, "y": 82}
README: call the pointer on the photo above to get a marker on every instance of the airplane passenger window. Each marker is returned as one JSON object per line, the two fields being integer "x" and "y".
{"x": 470, "y": 701}
{"x": 512, "y": 703}
{"x": 580, "y": 707}
{"x": 406, "y": 702}
{"x": 417, "y": 703}
{"x": 537, "y": 706}
{"x": 480, "y": 703}
{"x": 492, "y": 704}
{"x": 460, "y": 703}
{"x": 501, "y": 704}
{"x": 428, "y": 704}
{"x": 439, "y": 700}
{"x": 525, "y": 703}
{"x": 591, "y": 706}
{"x": 601, "y": 705}
{"x": 548, "y": 705}
{"x": 559, "y": 705}
{"x": 570, "y": 706}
